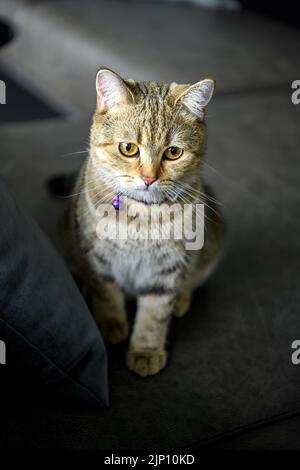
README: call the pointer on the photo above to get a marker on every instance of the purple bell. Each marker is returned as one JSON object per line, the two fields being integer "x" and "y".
{"x": 116, "y": 203}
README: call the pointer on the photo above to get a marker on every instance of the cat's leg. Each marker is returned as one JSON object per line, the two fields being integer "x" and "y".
{"x": 147, "y": 351}
{"x": 207, "y": 260}
{"x": 197, "y": 278}
{"x": 183, "y": 302}
{"x": 108, "y": 305}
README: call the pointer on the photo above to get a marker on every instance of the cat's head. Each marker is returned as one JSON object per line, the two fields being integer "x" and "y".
{"x": 148, "y": 139}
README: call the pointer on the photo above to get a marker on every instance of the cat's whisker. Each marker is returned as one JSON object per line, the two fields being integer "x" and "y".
{"x": 88, "y": 188}
{"x": 186, "y": 192}
{"x": 105, "y": 200}
{"x": 197, "y": 191}
{"x": 199, "y": 214}
{"x": 74, "y": 153}
{"x": 212, "y": 168}
{"x": 186, "y": 201}
{"x": 77, "y": 194}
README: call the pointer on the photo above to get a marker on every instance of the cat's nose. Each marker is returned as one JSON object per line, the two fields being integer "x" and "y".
{"x": 148, "y": 180}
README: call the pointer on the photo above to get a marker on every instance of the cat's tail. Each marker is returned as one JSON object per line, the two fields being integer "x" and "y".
{"x": 61, "y": 185}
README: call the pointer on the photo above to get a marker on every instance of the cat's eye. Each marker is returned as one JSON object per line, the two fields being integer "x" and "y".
{"x": 172, "y": 153}
{"x": 128, "y": 149}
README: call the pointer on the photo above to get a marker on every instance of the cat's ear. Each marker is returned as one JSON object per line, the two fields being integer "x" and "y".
{"x": 112, "y": 90}
{"x": 196, "y": 97}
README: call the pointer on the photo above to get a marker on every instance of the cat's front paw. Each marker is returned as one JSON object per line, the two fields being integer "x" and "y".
{"x": 114, "y": 330}
{"x": 146, "y": 361}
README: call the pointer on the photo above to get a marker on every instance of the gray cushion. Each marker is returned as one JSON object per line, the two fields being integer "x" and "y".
{"x": 53, "y": 346}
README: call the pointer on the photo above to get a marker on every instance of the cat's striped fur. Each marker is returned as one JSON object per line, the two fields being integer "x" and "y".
{"x": 162, "y": 274}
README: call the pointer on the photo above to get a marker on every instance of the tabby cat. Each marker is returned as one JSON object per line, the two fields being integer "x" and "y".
{"x": 147, "y": 146}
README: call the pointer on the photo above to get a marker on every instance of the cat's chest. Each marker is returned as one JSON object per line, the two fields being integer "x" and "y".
{"x": 134, "y": 265}
{"x": 134, "y": 261}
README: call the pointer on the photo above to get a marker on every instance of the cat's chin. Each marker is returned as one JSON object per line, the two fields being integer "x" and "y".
{"x": 147, "y": 196}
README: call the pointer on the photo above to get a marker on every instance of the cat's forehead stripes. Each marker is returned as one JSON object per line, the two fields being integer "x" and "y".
{"x": 147, "y": 122}
{"x": 153, "y": 125}
{"x": 152, "y": 88}
{"x": 152, "y": 121}
{"x": 153, "y": 115}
